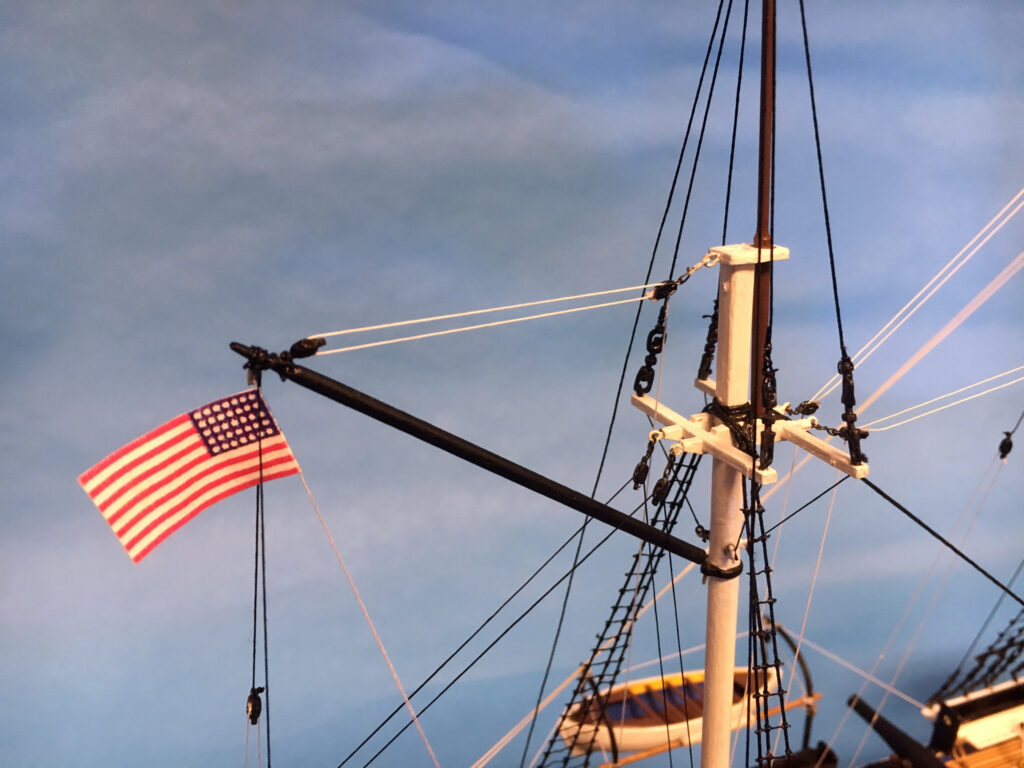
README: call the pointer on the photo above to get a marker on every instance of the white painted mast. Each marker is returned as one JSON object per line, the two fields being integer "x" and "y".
{"x": 744, "y": 282}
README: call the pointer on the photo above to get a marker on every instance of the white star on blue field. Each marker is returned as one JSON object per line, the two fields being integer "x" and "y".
{"x": 180, "y": 176}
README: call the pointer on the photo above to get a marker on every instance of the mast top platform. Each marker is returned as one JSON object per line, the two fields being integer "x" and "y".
{"x": 703, "y": 432}
{"x": 743, "y": 254}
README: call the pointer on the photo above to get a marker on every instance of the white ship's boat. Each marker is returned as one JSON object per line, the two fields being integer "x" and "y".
{"x": 645, "y": 714}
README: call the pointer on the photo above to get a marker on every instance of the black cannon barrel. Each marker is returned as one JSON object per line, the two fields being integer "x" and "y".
{"x": 903, "y": 745}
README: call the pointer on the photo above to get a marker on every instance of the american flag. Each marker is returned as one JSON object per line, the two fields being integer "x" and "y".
{"x": 158, "y": 482}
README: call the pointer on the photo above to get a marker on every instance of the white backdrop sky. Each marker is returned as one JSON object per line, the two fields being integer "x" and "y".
{"x": 177, "y": 176}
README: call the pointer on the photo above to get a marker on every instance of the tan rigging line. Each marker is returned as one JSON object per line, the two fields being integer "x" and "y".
{"x": 369, "y": 621}
{"x": 889, "y": 328}
{"x": 708, "y": 260}
{"x": 986, "y": 293}
{"x": 505, "y": 308}
{"x": 478, "y": 326}
{"x": 1000, "y": 280}
{"x": 866, "y": 675}
{"x": 947, "y": 405}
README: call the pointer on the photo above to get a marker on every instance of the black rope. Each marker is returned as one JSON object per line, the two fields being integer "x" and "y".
{"x": 554, "y": 644}
{"x": 661, "y": 667}
{"x": 981, "y": 631}
{"x": 256, "y": 581}
{"x": 707, "y": 359}
{"x": 939, "y": 537}
{"x": 254, "y": 706}
{"x": 629, "y": 350}
{"x": 263, "y": 572}
{"x": 765, "y": 654}
{"x": 850, "y": 433}
{"x": 821, "y": 179}
{"x": 703, "y": 127}
{"x": 657, "y": 243}
{"x": 750, "y": 657}
{"x": 473, "y": 635}
{"x": 679, "y": 646}
{"x": 1019, "y": 420}
{"x": 1006, "y": 444}
{"x": 793, "y": 514}
{"x": 735, "y": 121}
{"x": 508, "y": 629}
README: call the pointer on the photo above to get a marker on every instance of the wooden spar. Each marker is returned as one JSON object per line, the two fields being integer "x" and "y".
{"x": 260, "y": 359}
{"x": 763, "y": 238}
{"x": 699, "y": 434}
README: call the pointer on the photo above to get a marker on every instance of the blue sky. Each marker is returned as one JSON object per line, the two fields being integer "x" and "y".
{"x": 180, "y": 176}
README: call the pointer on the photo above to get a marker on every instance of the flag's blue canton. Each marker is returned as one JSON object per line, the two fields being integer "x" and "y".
{"x": 233, "y": 422}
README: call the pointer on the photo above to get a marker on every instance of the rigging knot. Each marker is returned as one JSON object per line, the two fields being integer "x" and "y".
{"x": 663, "y": 290}
{"x": 737, "y": 419}
{"x": 259, "y": 359}
{"x": 850, "y": 433}
{"x": 306, "y": 347}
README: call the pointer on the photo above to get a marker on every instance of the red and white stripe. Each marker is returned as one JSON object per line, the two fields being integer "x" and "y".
{"x": 158, "y": 482}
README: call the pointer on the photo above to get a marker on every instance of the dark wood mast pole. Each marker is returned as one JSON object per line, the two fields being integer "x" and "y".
{"x": 763, "y": 235}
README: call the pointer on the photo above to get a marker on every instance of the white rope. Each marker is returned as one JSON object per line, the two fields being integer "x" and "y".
{"x": 505, "y": 308}
{"x": 998, "y": 282}
{"x": 866, "y": 675}
{"x": 985, "y": 294}
{"x": 709, "y": 259}
{"x": 942, "y": 407}
{"x": 491, "y": 324}
{"x": 369, "y": 621}
{"x": 869, "y": 348}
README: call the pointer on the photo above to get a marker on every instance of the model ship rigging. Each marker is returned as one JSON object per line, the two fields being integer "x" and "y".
{"x": 739, "y": 428}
